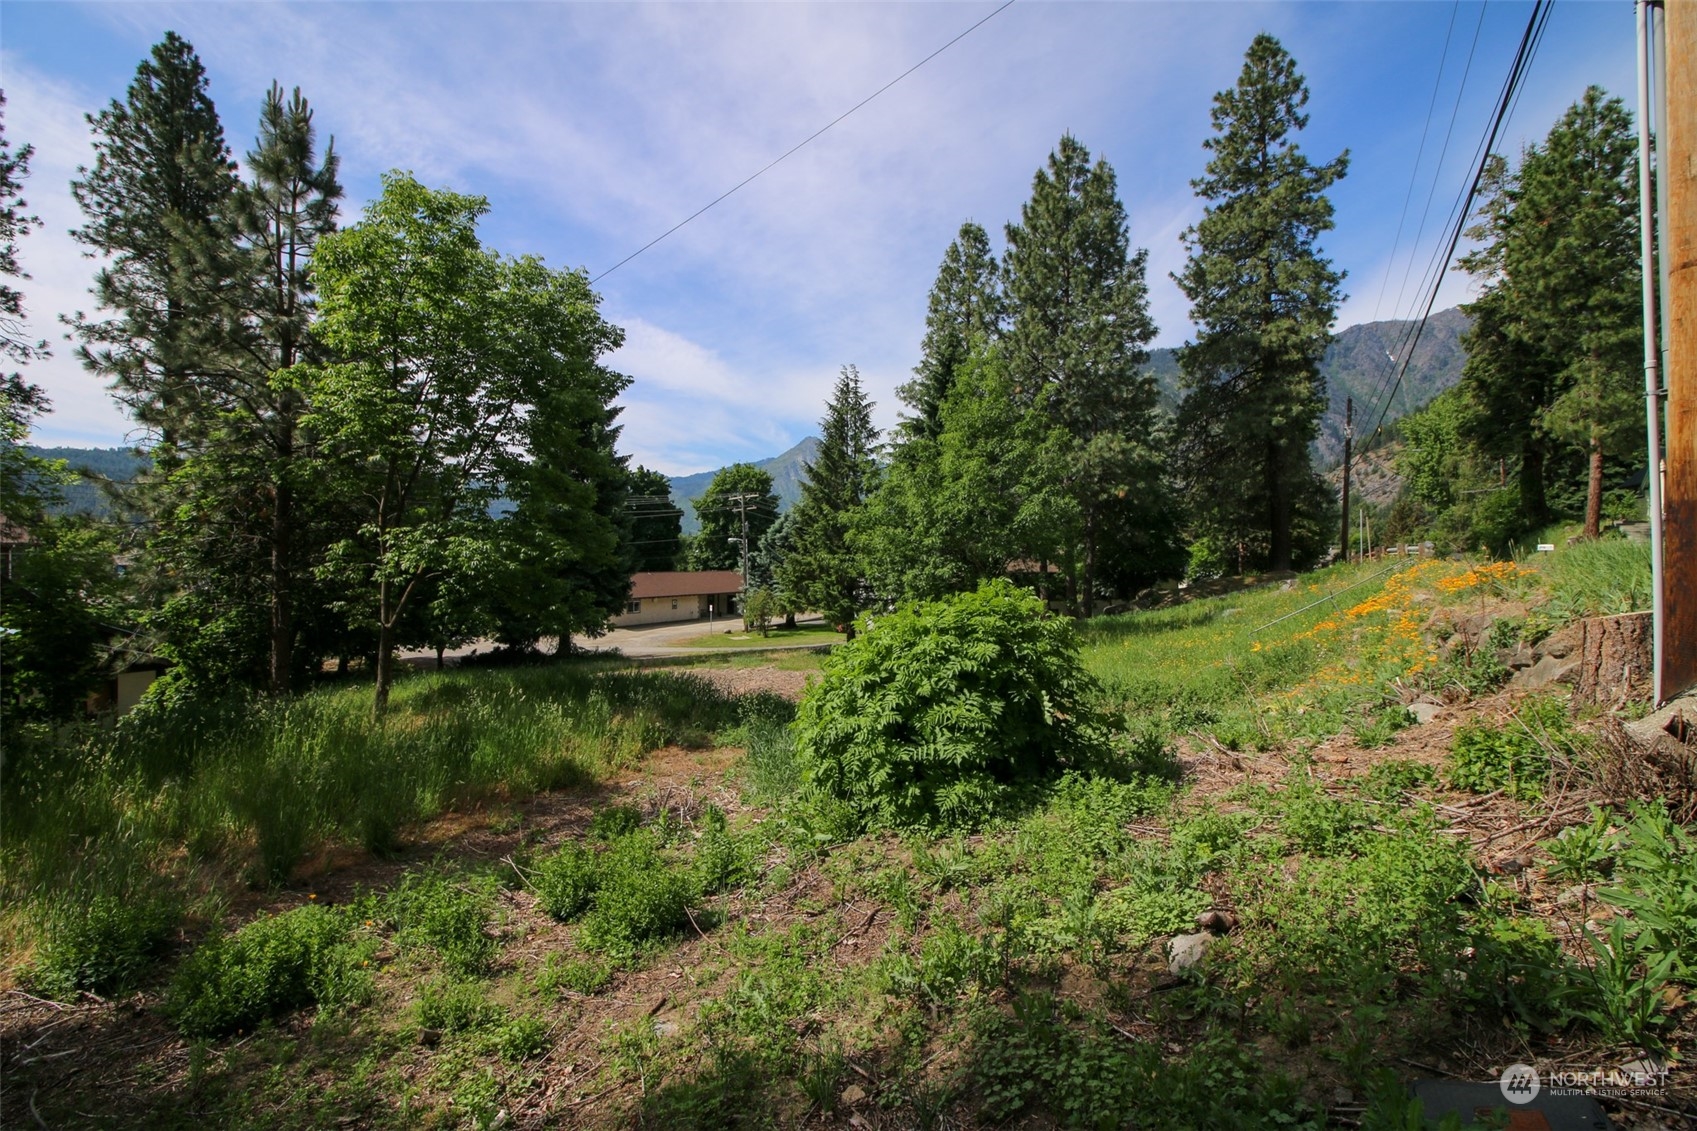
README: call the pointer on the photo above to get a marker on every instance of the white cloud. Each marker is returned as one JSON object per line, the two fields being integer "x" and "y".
{"x": 48, "y": 113}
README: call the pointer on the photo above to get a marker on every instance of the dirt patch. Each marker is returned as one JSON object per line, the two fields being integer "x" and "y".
{"x": 745, "y": 681}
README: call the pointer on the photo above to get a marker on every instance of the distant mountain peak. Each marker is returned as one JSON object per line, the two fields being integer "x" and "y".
{"x": 787, "y": 470}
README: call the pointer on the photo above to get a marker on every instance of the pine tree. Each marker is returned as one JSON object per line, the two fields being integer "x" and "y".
{"x": 1264, "y": 300}
{"x": 965, "y": 307}
{"x": 15, "y": 223}
{"x": 290, "y": 202}
{"x": 822, "y": 570}
{"x": 1079, "y": 328}
{"x": 1557, "y": 343}
{"x": 160, "y": 204}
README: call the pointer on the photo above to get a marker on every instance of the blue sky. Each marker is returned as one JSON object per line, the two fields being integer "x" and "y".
{"x": 592, "y": 128}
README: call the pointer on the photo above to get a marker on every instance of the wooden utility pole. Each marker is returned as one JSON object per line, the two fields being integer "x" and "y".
{"x": 1348, "y": 438}
{"x": 1679, "y": 486}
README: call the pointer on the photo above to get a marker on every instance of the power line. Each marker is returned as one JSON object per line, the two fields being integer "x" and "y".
{"x": 803, "y": 142}
{"x": 1420, "y": 151}
{"x": 1517, "y": 72}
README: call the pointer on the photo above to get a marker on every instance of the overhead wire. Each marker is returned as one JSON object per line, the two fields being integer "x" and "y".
{"x": 1431, "y": 192}
{"x": 803, "y": 142}
{"x": 1419, "y": 154}
{"x": 1529, "y": 41}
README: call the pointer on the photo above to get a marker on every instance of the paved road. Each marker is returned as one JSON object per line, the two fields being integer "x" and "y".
{"x": 649, "y": 641}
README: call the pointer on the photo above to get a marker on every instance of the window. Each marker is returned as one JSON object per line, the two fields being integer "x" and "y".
{"x": 674, "y": 602}
{"x": 633, "y": 607}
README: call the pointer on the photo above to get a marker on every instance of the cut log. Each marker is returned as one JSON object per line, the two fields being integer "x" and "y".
{"x": 1614, "y": 659}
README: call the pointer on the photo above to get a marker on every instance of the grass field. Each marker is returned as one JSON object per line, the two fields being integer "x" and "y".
{"x": 591, "y": 897}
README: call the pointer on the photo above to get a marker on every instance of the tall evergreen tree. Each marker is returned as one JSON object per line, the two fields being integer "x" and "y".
{"x": 1264, "y": 300}
{"x": 965, "y": 306}
{"x": 160, "y": 203}
{"x": 16, "y": 221}
{"x": 822, "y": 570}
{"x": 1079, "y": 330}
{"x": 1557, "y": 345}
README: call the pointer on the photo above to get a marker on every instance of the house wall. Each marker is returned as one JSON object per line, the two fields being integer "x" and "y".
{"x": 660, "y": 610}
{"x": 666, "y": 610}
{"x": 130, "y": 687}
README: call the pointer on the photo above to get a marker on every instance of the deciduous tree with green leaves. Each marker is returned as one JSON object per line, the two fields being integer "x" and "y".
{"x": 446, "y": 354}
{"x": 738, "y": 490}
{"x": 822, "y": 569}
{"x": 1264, "y": 299}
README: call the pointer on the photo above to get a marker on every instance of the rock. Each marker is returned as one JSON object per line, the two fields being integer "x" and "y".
{"x": 1217, "y": 921}
{"x": 1424, "y": 713}
{"x": 1558, "y": 644}
{"x": 665, "y": 1028}
{"x": 852, "y": 1095}
{"x": 1516, "y": 658}
{"x": 1185, "y": 951}
{"x": 1342, "y": 1096}
{"x": 1547, "y": 672}
{"x": 1678, "y": 719}
{"x": 430, "y": 1037}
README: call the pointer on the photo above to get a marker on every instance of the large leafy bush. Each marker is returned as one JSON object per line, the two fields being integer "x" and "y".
{"x": 946, "y": 713}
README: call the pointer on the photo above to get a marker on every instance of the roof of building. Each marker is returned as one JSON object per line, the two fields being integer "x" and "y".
{"x": 684, "y": 583}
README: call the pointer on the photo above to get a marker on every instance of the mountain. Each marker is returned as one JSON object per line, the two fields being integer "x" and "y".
{"x": 787, "y": 472}
{"x": 1357, "y": 364}
{"x": 85, "y": 495}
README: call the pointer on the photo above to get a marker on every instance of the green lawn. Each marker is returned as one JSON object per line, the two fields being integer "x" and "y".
{"x": 780, "y": 637}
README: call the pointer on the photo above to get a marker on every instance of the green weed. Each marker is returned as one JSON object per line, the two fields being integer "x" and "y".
{"x": 640, "y": 898}
{"x": 448, "y": 914}
{"x": 1513, "y": 756}
{"x": 565, "y": 882}
{"x": 272, "y": 965}
{"x": 579, "y": 975}
{"x": 452, "y": 1006}
{"x": 103, "y": 943}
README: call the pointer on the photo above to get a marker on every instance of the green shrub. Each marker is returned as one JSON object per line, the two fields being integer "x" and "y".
{"x": 565, "y": 882}
{"x": 723, "y": 860}
{"x": 641, "y": 898}
{"x": 1514, "y": 755}
{"x": 522, "y": 1038}
{"x": 579, "y": 975}
{"x": 615, "y": 821}
{"x": 281, "y": 962}
{"x": 105, "y": 944}
{"x": 448, "y": 914}
{"x": 948, "y": 713}
{"x": 456, "y": 1007}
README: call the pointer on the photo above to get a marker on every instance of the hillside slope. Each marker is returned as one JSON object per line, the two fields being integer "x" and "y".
{"x": 1358, "y": 365}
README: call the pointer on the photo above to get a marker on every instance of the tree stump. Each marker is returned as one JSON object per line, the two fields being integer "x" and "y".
{"x": 1616, "y": 661}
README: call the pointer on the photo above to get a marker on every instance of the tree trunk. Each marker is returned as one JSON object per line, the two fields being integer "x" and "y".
{"x": 440, "y": 649}
{"x": 282, "y": 584}
{"x": 1278, "y": 509}
{"x": 1532, "y": 503}
{"x": 1594, "y": 492}
{"x": 385, "y": 665}
{"x": 1615, "y": 659}
{"x": 1087, "y": 582}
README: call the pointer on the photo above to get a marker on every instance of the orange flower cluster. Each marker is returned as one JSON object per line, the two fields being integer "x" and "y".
{"x": 1492, "y": 575}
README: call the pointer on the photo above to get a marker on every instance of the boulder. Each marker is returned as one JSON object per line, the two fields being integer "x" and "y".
{"x": 1548, "y": 672}
{"x": 1424, "y": 713}
{"x": 1185, "y": 951}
